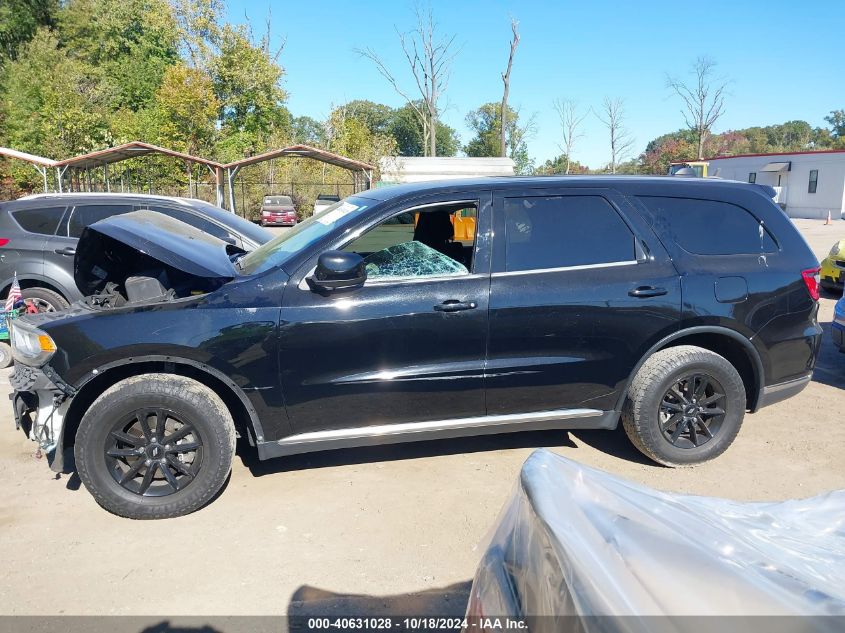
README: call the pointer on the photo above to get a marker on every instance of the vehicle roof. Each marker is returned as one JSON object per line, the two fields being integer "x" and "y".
{"x": 207, "y": 209}
{"x": 541, "y": 182}
{"x": 107, "y": 196}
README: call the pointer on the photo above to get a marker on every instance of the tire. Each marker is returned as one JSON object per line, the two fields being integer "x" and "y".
{"x": 112, "y": 423}
{"x": 651, "y": 405}
{"x": 45, "y": 300}
{"x": 831, "y": 288}
{"x": 5, "y": 354}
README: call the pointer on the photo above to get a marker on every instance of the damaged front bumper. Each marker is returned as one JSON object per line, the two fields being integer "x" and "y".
{"x": 40, "y": 402}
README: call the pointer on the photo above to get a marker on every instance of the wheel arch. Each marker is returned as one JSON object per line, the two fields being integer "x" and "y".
{"x": 96, "y": 382}
{"x": 35, "y": 282}
{"x": 733, "y": 346}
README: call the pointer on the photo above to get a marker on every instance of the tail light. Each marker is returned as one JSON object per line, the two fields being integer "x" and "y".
{"x": 811, "y": 279}
{"x": 4, "y": 241}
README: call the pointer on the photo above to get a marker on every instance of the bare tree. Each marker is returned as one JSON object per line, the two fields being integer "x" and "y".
{"x": 506, "y": 80}
{"x": 613, "y": 116}
{"x": 704, "y": 99}
{"x": 570, "y": 122}
{"x": 430, "y": 58}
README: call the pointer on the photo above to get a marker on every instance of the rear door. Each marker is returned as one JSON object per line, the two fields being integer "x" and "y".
{"x": 59, "y": 249}
{"x": 580, "y": 289}
{"x": 23, "y": 237}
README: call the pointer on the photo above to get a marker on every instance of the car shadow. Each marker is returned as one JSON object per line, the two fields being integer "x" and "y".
{"x": 395, "y": 452}
{"x": 443, "y": 602}
{"x": 830, "y": 364}
{"x": 613, "y": 443}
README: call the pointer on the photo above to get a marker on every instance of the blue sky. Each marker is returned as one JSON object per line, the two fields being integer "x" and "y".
{"x": 784, "y": 59}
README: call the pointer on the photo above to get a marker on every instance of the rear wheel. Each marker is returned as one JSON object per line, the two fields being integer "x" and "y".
{"x": 685, "y": 406}
{"x": 44, "y": 300}
{"x": 155, "y": 446}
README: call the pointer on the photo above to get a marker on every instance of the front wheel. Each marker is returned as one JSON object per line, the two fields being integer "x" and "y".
{"x": 685, "y": 406}
{"x": 155, "y": 446}
{"x": 44, "y": 299}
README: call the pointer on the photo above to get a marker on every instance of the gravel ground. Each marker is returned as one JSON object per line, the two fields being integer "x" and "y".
{"x": 393, "y": 527}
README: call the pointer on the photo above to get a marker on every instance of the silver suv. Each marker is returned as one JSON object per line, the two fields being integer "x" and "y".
{"x": 38, "y": 236}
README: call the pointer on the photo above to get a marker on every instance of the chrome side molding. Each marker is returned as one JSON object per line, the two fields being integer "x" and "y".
{"x": 409, "y": 428}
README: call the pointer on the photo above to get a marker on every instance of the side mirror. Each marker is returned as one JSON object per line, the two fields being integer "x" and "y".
{"x": 338, "y": 270}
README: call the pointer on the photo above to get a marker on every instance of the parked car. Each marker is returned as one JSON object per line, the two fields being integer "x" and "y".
{"x": 325, "y": 200}
{"x": 837, "y": 327}
{"x": 278, "y": 211}
{"x": 833, "y": 268}
{"x": 38, "y": 236}
{"x": 674, "y": 305}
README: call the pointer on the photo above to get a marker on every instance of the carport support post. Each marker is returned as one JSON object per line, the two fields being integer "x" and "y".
{"x": 218, "y": 184}
{"x": 231, "y": 173}
{"x": 43, "y": 171}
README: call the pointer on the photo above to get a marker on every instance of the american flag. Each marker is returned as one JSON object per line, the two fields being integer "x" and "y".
{"x": 14, "y": 295}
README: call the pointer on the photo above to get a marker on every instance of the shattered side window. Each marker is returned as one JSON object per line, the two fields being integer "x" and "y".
{"x": 411, "y": 259}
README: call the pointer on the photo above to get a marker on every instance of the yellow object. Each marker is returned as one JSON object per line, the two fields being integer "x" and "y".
{"x": 832, "y": 273}
{"x": 46, "y": 343}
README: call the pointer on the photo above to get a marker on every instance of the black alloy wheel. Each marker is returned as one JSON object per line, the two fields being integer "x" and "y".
{"x": 692, "y": 411}
{"x": 152, "y": 452}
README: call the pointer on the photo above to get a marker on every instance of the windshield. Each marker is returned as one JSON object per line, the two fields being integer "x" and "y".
{"x": 276, "y": 251}
{"x": 278, "y": 201}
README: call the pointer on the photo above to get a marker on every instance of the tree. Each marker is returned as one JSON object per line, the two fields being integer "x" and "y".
{"x": 703, "y": 100}
{"x": 837, "y": 124}
{"x": 187, "y": 109}
{"x": 570, "y": 122}
{"x": 506, "y": 80}
{"x": 306, "y": 130}
{"x": 349, "y": 136}
{"x": 612, "y": 115}
{"x": 53, "y": 104}
{"x": 562, "y": 164}
{"x": 19, "y": 21}
{"x": 669, "y": 148}
{"x": 429, "y": 58}
{"x": 405, "y": 127}
{"x": 247, "y": 82}
{"x": 130, "y": 43}
{"x": 486, "y": 123}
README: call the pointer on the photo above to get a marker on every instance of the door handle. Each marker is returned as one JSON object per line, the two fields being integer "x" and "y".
{"x": 642, "y": 292}
{"x": 67, "y": 250}
{"x": 453, "y": 305}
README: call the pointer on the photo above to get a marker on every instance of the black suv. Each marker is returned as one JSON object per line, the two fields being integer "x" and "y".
{"x": 38, "y": 236}
{"x": 674, "y": 305}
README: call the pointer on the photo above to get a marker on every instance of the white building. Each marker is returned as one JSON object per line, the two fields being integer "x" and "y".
{"x": 402, "y": 169}
{"x": 808, "y": 184}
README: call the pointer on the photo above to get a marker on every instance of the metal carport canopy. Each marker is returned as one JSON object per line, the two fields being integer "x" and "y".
{"x": 39, "y": 162}
{"x": 298, "y": 151}
{"x": 135, "y": 149}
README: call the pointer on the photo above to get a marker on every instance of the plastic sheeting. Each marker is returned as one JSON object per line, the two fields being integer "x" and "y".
{"x": 411, "y": 259}
{"x": 576, "y": 542}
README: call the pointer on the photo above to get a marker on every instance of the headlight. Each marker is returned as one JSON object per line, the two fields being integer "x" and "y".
{"x": 30, "y": 345}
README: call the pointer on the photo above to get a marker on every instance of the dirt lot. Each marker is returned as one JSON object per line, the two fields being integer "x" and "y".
{"x": 379, "y": 522}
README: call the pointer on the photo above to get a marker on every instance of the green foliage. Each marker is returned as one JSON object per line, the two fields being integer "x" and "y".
{"x": 247, "y": 81}
{"x": 306, "y": 130}
{"x": 557, "y": 166}
{"x": 486, "y": 122}
{"x": 19, "y": 21}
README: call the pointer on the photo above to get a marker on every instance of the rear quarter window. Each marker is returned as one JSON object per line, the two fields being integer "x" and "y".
{"x": 709, "y": 227}
{"x": 43, "y": 220}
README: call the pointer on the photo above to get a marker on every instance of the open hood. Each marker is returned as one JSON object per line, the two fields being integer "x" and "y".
{"x": 151, "y": 245}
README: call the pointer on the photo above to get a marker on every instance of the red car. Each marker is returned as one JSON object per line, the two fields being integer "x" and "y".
{"x": 278, "y": 210}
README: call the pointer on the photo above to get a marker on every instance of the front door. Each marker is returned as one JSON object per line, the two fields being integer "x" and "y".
{"x": 580, "y": 288}
{"x": 409, "y": 345}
